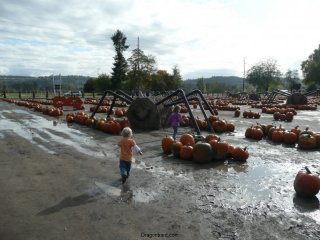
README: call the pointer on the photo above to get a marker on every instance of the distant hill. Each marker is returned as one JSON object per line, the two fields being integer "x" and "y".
{"x": 229, "y": 80}
{"x": 27, "y": 83}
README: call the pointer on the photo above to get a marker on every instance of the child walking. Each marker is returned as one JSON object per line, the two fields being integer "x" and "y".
{"x": 174, "y": 120}
{"x": 127, "y": 147}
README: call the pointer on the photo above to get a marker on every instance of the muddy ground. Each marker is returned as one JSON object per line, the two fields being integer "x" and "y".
{"x": 62, "y": 182}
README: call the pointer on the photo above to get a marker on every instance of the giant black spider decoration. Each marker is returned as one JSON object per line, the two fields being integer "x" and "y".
{"x": 144, "y": 114}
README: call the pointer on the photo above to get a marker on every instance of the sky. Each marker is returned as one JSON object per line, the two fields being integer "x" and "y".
{"x": 203, "y": 38}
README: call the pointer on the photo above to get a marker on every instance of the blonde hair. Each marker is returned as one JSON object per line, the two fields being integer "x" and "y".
{"x": 126, "y": 132}
{"x": 177, "y": 108}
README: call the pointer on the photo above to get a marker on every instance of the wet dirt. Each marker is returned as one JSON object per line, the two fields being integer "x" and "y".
{"x": 61, "y": 181}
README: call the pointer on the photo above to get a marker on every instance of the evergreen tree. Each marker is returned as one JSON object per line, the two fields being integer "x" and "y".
{"x": 120, "y": 64}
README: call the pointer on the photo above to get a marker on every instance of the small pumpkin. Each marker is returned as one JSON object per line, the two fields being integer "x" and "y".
{"x": 186, "y": 152}
{"x": 240, "y": 154}
{"x": 237, "y": 113}
{"x": 289, "y": 116}
{"x": 175, "y": 148}
{"x": 210, "y": 137}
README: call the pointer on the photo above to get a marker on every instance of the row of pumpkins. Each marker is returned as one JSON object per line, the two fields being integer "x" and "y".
{"x": 209, "y": 148}
{"x": 305, "y": 139}
{"x": 108, "y": 125}
{"x": 118, "y": 112}
{"x": 218, "y": 125}
{"x": 51, "y": 111}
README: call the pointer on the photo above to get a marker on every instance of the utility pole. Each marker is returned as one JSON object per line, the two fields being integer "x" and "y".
{"x": 139, "y": 76}
{"x": 244, "y": 73}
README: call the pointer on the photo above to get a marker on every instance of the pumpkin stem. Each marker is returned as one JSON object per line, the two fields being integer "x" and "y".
{"x": 307, "y": 169}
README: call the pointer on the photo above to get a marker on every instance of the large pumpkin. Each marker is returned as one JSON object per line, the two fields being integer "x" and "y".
{"x": 290, "y": 137}
{"x": 187, "y": 139}
{"x": 219, "y": 150}
{"x": 307, "y": 141}
{"x": 219, "y": 126}
{"x": 166, "y": 144}
{"x": 202, "y": 152}
{"x": 306, "y": 184}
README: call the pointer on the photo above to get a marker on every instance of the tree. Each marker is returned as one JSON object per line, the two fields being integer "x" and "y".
{"x": 141, "y": 69}
{"x": 89, "y": 86}
{"x": 200, "y": 84}
{"x": 264, "y": 75}
{"x": 103, "y": 83}
{"x": 120, "y": 64}
{"x": 311, "y": 68}
{"x": 291, "y": 78}
{"x": 176, "y": 77}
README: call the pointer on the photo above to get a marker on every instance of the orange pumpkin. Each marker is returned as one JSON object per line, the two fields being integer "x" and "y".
{"x": 290, "y": 137}
{"x": 277, "y": 136}
{"x": 187, "y": 139}
{"x": 175, "y": 148}
{"x": 306, "y": 184}
{"x": 211, "y": 137}
{"x": 240, "y": 154}
{"x": 307, "y": 141}
{"x": 186, "y": 152}
{"x": 166, "y": 144}
{"x": 219, "y": 126}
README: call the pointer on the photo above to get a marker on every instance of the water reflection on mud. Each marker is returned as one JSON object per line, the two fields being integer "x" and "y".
{"x": 48, "y": 133}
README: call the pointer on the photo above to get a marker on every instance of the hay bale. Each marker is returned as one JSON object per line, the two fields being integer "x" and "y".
{"x": 297, "y": 99}
{"x": 143, "y": 114}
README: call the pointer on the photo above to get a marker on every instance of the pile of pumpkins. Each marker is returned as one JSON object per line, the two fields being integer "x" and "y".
{"x": 107, "y": 125}
{"x": 218, "y": 125}
{"x": 203, "y": 150}
{"x": 251, "y": 114}
{"x": 288, "y": 116}
{"x": 306, "y": 139}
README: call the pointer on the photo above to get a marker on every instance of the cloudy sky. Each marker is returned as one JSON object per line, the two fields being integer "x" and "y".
{"x": 203, "y": 38}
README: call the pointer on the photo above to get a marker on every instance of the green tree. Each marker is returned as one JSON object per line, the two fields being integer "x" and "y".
{"x": 176, "y": 77}
{"x": 141, "y": 68}
{"x": 103, "y": 83}
{"x": 89, "y": 85}
{"x": 162, "y": 78}
{"x": 120, "y": 64}
{"x": 311, "y": 68}
{"x": 292, "y": 80}
{"x": 264, "y": 75}
{"x": 201, "y": 84}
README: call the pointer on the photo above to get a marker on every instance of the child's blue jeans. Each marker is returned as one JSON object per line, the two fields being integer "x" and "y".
{"x": 125, "y": 167}
{"x": 175, "y": 131}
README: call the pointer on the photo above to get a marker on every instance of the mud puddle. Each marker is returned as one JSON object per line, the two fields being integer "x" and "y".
{"x": 48, "y": 134}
